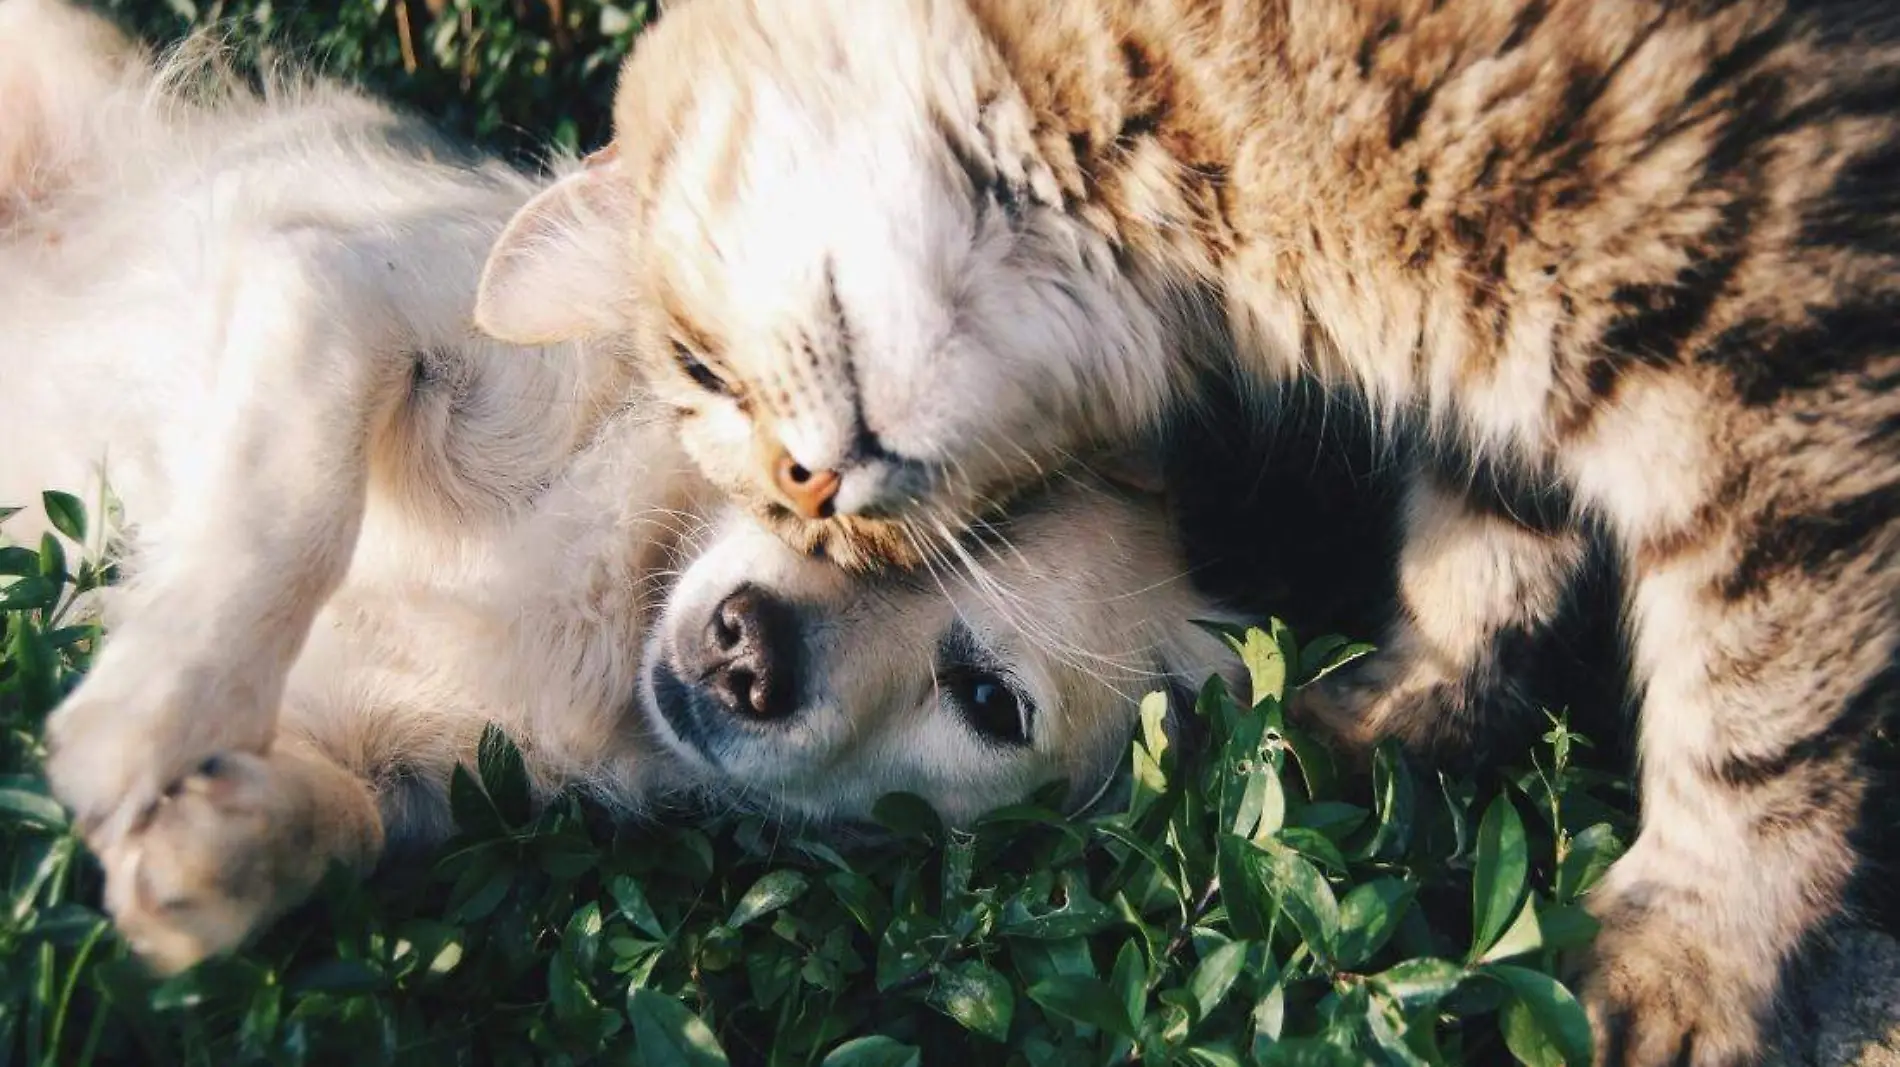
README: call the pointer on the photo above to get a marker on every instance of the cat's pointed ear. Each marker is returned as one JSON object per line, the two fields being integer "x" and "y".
{"x": 562, "y": 268}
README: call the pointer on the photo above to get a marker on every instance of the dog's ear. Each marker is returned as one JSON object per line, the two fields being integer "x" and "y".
{"x": 561, "y": 270}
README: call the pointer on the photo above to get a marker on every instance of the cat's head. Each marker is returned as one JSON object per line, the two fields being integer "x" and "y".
{"x": 784, "y": 683}
{"x": 829, "y": 230}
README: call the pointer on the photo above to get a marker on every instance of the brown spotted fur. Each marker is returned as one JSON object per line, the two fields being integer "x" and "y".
{"x": 1643, "y": 255}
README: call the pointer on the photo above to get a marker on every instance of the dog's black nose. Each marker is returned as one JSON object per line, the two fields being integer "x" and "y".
{"x": 748, "y": 655}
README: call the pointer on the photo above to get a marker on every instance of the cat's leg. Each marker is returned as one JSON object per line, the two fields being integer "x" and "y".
{"x": 232, "y": 846}
{"x": 1767, "y": 625}
{"x": 260, "y": 530}
{"x": 1481, "y": 576}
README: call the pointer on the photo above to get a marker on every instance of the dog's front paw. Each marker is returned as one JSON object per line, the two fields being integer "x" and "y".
{"x": 1660, "y": 993}
{"x": 144, "y": 717}
{"x": 221, "y": 852}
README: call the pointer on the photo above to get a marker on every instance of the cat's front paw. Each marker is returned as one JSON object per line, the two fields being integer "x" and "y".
{"x": 143, "y": 718}
{"x": 220, "y": 852}
{"x": 1386, "y": 696}
{"x": 1457, "y": 715}
{"x": 1660, "y": 993}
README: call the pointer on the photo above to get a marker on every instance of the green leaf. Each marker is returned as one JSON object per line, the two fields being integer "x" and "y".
{"x": 1079, "y": 913}
{"x": 66, "y": 513}
{"x": 974, "y": 994}
{"x": 1316, "y": 763}
{"x": 1084, "y": 1000}
{"x": 1269, "y": 1011}
{"x": 52, "y": 559}
{"x": 767, "y": 895}
{"x": 901, "y": 952}
{"x": 1266, "y": 664}
{"x": 632, "y": 902}
{"x": 478, "y": 892}
{"x": 337, "y": 976}
{"x": 1148, "y": 782}
{"x": 1314, "y": 846}
{"x": 1315, "y": 653}
{"x": 1523, "y": 935}
{"x": 18, "y": 562}
{"x": 1393, "y": 796}
{"x": 28, "y": 594}
{"x": 581, "y": 938}
{"x": 1458, "y": 794}
{"x": 1302, "y": 895}
{"x": 24, "y": 799}
{"x": 907, "y": 815}
{"x": 1566, "y": 926}
{"x": 1369, "y": 916}
{"x": 1392, "y": 1033}
{"x": 876, "y": 1050}
{"x": 772, "y": 970}
{"x": 1420, "y": 983}
{"x": 1591, "y": 853}
{"x": 959, "y": 863}
{"x": 860, "y": 898}
{"x": 1263, "y": 803}
{"x": 9, "y": 511}
{"x": 1336, "y": 819}
{"x": 1549, "y": 1018}
{"x": 1211, "y": 1055}
{"x": 1497, "y": 885}
{"x": 1246, "y": 888}
{"x": 568, "y": 970}
{"x": 1310, "y": 1052}
{"x": 1324, "y": 655}
{"x": 473, "y": 808}
{"x": 668, "y": 1035}
{"x": 1130, "y": 978}
{"x": 504, "y": 777}
{"x": 1525, "y": 1039}
{"x": 1214, "y": 977}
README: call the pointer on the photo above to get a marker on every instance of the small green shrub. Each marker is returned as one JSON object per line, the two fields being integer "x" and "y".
{"x": 1252, "y": 905}
{"x": 516, "y": 76}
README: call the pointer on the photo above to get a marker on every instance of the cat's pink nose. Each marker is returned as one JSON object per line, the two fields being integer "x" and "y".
{"x": 810, "y": 493}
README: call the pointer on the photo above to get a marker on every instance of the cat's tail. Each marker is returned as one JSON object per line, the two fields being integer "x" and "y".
{"x": 59, "y": 66}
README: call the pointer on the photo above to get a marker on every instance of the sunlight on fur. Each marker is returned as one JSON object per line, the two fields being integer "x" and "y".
{"x": 357, "y": 532}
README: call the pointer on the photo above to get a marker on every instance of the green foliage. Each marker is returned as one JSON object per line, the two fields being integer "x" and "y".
{"x": 1255, "y": 905}
{"x": 1258, "y": 904}
{"x": 516, "y": 76}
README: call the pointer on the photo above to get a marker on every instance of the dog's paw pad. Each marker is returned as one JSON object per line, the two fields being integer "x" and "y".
{"x": 208, "y": 862}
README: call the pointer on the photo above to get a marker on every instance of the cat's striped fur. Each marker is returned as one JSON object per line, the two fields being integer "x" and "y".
{"x": 1645, "y": 253}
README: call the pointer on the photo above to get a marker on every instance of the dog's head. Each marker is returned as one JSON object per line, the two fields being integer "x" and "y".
{"x": 1019, "y": 658}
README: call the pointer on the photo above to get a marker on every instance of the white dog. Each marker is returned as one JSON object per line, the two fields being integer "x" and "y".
{"x": 357, "y": 532}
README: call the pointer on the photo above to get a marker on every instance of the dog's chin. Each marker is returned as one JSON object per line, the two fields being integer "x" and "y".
{"x": 679, "y": 719}
{"x": 689, "y": 724}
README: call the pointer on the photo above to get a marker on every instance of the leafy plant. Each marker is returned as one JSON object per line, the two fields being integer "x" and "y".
{"x": 517, "y": 76}
{"x": 1257, "y": 904}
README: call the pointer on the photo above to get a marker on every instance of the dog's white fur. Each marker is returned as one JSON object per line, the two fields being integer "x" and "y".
{"x": 358, "y": 532}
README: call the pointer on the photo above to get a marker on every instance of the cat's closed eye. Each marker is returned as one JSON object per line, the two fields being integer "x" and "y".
{"x": 702, "y": 374}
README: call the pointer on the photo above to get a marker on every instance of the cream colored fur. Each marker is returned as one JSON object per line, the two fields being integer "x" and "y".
{"x": 1640, "y": 252}
{"x": 357, "y": 531}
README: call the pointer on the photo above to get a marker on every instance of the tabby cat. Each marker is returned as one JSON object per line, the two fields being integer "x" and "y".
{"x": 891, "y": 261}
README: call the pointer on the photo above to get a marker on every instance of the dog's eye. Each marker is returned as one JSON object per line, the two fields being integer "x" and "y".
{"x": 699, "y": 372}
{"x": 992, "y": 708}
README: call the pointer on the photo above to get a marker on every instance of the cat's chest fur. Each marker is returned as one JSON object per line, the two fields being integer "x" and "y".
{"x": 1516, "y": 215}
